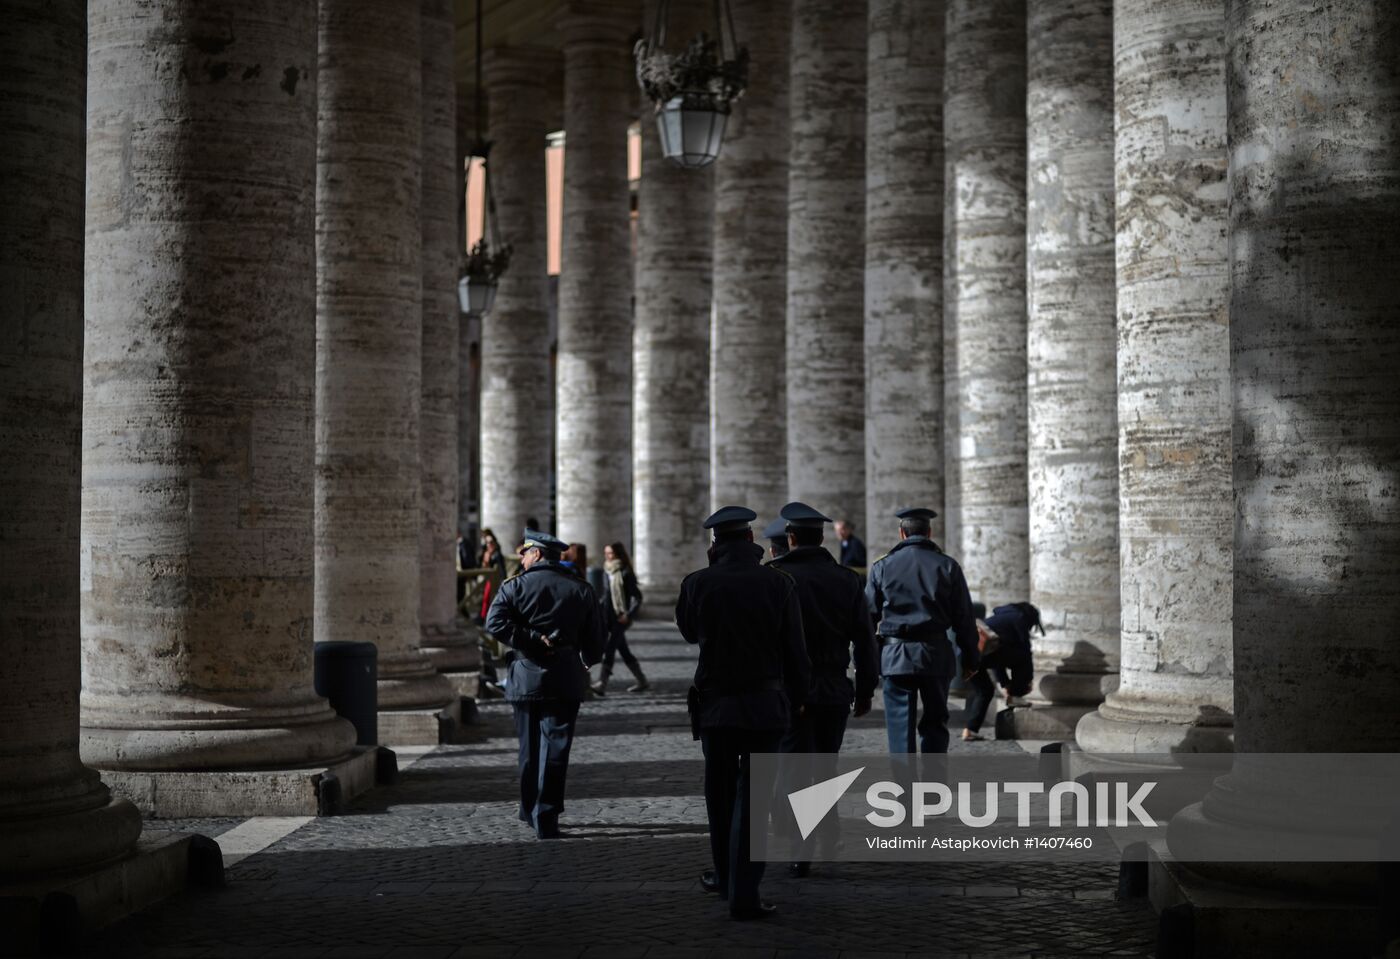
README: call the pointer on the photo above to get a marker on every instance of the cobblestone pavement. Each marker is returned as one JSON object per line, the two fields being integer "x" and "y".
{"x": 438, "y": 866}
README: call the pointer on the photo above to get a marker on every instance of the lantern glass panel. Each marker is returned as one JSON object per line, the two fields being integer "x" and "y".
{"x": 476, "y": 296}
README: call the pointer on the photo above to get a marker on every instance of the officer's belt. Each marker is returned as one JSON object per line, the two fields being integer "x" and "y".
{"x": 920, "y": 634}
{"x": 762, "y": 686}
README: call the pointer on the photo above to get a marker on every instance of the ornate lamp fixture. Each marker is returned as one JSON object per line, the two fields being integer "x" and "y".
{"x": 488, "y": 258}
{"x": 692, "y": 89}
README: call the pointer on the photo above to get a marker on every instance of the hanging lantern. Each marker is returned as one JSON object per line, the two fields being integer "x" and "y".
{"x": 488, "y": 258}
{"x": 692, "y": 89}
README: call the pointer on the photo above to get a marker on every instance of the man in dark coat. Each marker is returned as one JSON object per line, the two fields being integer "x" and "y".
{"x": 752, "y": 674}
{"x": 835, "y": 621}
{"x": 919, "y": 596}
{"x": 553, "y": 622}
{"x": 852, "y": 546}
{"x": 776, "y": 534}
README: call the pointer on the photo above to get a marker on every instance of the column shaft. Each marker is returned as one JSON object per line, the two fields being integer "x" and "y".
{"x": 197, "y": 406}
{"x": 1173, "y": 384}
{"x": 369, "y": 333}
{"x": 1072, "y": 426}
{"x": 984, "y": 125}
{"x": 826, "y": 258}
{"x": 1314, "y": 180}
{"x": 904, "y": 263}
{"x": 748, "y": 443}
{"x": 595, "y": 283}
{"x": 55, "y": 814}
{"x": 444, "y": 634}
{"x": 671, "y": 368}
{"x": 516, "y": 432}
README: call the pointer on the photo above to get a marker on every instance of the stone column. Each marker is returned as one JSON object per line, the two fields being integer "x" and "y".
{"x": 198, "y": 387}
{"x": 1314, "y": 181}
{"x": 445, "y": 637}
{"x": 468, "y": 425}
{"x": 55, "y": 814}
{"x": 1072, "y": 423}
{"x": 826, "y": 258}
{"x": 984, "y": 123}
{"x": 516, "y": 432}
{"x": 369, "y": 333}
{"x": 748, "y": 418}
{"x": 671, "y": 352}
{"x": 903, "y": 264}
{"x": 595, "y": 281}
{"x": 1174, "y": 504}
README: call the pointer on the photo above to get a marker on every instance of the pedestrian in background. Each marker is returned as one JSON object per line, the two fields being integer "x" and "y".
{"x": 622, "y": 600}
{"x": 852, "y": 546}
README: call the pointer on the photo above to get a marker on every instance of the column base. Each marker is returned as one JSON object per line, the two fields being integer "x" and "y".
{"x": 1042, "y": 721}
{"x": 1113, "y": 729}
{"x": 1201, "y": 919}
{"x": 1176, "y": 787}
{"x": 453, "y": 647}
{"x": 47, "y": 917}
{"x": 314, "y": 791}
{"x": 420, "y": 727}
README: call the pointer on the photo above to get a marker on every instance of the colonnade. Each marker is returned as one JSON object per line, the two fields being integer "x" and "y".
{"x": 234, "y": 369}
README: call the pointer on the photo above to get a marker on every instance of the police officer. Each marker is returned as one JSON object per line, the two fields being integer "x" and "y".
{"x": 551, "y": 619}
{"x": 776, "y": 534}
{"x": 835, "y": 621}
{"x": 918, "y": 595}
{"x": 753, "y": 672}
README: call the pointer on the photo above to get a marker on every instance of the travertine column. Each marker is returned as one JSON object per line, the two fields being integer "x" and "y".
{"x": 1175, "y": 514}
{"x": 55, "y": 814}
{"x": 826, "y": 258}
{"x": 748, "y": 431}
{"x": 671, "y": 449}
{"x": 468, "y": 424}
{"x": 516, "y": 431}
{"x": 1072, "y": 422}
{"x": 984, "y": 123}
{"x": 904, "y": 263}
{"x": 445, "y": 637}
{"x": 198, "y": 377}
{"x": 1314, "y": 177}
{"x": 595, "y": 281}
{"x": 369, "y": 333}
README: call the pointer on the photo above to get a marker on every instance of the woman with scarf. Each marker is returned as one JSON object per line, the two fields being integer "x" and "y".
{"x": 621, "y": 600}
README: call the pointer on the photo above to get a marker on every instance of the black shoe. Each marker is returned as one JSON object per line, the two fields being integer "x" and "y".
{"x": 799, "y": 870}
{"x": 547, "y": 831}
{"x": 710, "y": 883}
{"x": 761, "y": 911}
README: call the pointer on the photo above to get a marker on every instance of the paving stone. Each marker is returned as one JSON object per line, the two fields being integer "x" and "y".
{"x": 439, "y": 863}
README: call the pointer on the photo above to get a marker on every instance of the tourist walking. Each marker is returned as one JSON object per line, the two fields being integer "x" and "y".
{"x": 919, "y": 597}
{"x": 622, "y": 600}
{"x": 551, "y": 619}
{"x": 752, "y": 674}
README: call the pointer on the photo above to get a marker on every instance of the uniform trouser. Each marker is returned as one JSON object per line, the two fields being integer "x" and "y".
{"x": 617, "y": 646}
{"x": 812, "y": 742}
{"x": 729, "y": 808}
{"x": 902, "y": 720}
{"x": 546, "y": 730}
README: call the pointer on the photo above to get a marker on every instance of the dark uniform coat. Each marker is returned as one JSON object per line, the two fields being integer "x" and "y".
{"x": 541, "y": 601}
{"x": 746, "y": 619}
{"x": 918, "y": 593}
{"x": 835, "y": 620}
